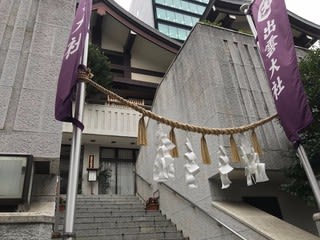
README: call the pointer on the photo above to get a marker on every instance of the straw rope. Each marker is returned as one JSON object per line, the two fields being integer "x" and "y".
{"x": 86, "y": 75}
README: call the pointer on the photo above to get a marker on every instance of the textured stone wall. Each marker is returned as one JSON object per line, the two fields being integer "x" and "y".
{"x": 25, "y": 231}
{"x": 217, "y": 80}
{"x": 33, "y": 35}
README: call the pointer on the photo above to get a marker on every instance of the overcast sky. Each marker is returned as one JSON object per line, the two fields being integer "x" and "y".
{"x": 308, "y": 9}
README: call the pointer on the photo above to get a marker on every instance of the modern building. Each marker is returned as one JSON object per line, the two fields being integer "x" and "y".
{"x": 175, "y": 18}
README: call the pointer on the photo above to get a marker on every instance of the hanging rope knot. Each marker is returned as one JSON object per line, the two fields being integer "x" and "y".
{"x": 84, "y": 73}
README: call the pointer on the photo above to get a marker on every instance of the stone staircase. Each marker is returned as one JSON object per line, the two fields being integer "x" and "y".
{"x": 116, "y": 217}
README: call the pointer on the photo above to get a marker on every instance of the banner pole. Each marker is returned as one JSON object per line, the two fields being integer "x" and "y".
{"x": 301, "y": 152}
{"x": 75, "y": 154}
{"x": 309, "y": 172}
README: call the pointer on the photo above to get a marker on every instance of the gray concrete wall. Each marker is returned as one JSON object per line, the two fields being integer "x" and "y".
{"x": 26, "y": 231}
{"x": 33, "y": 35}
{"x": 217, "y": 80}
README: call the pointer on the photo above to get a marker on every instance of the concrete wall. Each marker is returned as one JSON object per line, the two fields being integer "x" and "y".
{"x": 217, "y": 80}
{"x": 26, "y": 231}
{"x": 33, "y": 35}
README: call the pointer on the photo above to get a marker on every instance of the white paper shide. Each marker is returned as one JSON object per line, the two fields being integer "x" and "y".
{"x": 163, "y": 167}
{"x": 191, "y": 167}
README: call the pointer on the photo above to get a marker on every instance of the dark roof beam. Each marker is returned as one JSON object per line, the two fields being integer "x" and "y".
{"x": 129, "y": 42}
{"x": 228, "y": 20}
{"x": 96, "y": 30}
{"x": 304, "y": 40}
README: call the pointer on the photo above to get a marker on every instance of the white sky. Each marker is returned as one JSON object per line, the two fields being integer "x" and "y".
{"x": 308, "y": 9}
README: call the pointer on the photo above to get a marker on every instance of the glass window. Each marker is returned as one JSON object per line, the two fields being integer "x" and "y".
{"x": 173, "y": 32}
{"x": 188, "y": 20}
{"x": 202, "y": 1}
{"x": 194, "y": 20}
{"x": 161, "y": 13}
{"x": 178, "y": 4}
{"x": 168, "y": 2}
{"x": 185, "y": 6}
{"x": 179, "y": 18}
{"x": 108, "y": 153}
{"x": 200, "y": 9}
{"x": 125, "y": 154}
{"x": 160, "y": 1}
{"x": 12, "y": 172}
{"x": 163, "y": 29}
{"x": 170, "y": 16}
{"x": 182, "y": 34}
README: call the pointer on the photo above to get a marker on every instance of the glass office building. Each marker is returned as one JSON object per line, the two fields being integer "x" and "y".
{"x": 175, "y": 18}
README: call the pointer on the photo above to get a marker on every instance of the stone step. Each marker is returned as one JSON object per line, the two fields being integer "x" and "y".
{"x": 85, "y": 230}
{"x": 110, "y": 207}
{"x": 124, "y": 214}
{"x": 101, "y": 196}
{"x": 135, "y": 236}
{"x": 94, "y": 219}
{"x": 121, "y": 224}
{"x": 107, "y": 198}
{"x": 116, "y": 217}
{"x": 123, "y": 211}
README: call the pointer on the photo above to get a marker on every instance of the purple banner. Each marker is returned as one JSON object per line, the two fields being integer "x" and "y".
{"x": 71, "y": 60}
{"x": 278, "y": 53}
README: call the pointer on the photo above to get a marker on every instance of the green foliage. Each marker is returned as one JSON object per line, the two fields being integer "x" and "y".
{"x": 99, "y": 65}
{"x": 310, "y": 75}
{"x": 207, "y": 22}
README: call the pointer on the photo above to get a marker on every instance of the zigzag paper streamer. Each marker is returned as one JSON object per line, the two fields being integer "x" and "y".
{"x": 191, "y": 167}
{"x": 224, "y": 168}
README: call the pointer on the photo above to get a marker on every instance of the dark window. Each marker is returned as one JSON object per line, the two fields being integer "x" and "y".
{"x": 267, "y": 204}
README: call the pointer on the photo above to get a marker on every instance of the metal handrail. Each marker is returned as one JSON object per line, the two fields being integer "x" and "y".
{"x": 143, "y": 179}
{"x": 193, "y": 205}
{"x": 144, "y": 201}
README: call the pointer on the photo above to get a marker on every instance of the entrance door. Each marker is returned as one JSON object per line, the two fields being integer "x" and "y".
{"x": 117, "y": 171}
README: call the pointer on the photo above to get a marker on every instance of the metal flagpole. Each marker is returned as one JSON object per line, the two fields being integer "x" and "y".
{"x": 309, "y": 172}
{"x": 75, "y": 154}
{"x": 301, "y": 152}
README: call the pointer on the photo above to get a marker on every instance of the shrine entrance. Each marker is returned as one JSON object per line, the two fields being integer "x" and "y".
{"x": 117, "y": 171}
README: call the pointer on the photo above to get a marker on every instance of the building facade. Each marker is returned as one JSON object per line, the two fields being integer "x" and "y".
{"x": 175, "y": 18}
{"x": 110, "y": 133}
{"x": 32, "y": 42}
{"x": 33, "y": 36}
{"x": 172, "y": 18}
{"x": 217, "y": 81}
